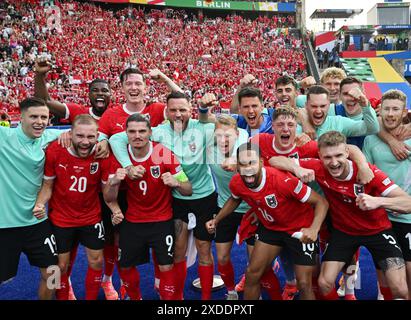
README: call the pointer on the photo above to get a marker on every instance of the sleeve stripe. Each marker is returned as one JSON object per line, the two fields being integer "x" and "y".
{"x": 307, "y": 195}
{"x": 299, "y": 187}
{"x": 388, "y": 190}
{"x": 49, "y": 178}
{"x": 234, "y": 196}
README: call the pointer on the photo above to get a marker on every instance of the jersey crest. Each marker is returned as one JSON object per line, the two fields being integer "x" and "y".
{"x": 155, "y": 171}
{"x": 93, "y": 167}
{"x": 271, "y": 201}
{"x": 358, "y": 189}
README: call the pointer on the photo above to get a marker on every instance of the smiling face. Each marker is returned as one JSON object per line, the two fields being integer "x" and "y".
{"x": 134, "y": 88}
{"x": 333, "y": 85}
{"x": 34, "y": 121}
{"x": 335, "y": 160}
{"x": 317, "y": 108}
{"x": 99, "y": 96}
{"x": 249, "y": 165}
{"x": 84, "y": 138}
{"x": 393, "y": 112}
{"x": 226, "y": 137}
{"x": 286, "y": 94}
{"x": 251, "y": 109}
{"x": 284, "y": 128}
{"x": 351, "y": 106}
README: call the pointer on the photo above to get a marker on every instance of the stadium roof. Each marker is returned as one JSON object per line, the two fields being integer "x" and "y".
{"x": 335, "y": 13}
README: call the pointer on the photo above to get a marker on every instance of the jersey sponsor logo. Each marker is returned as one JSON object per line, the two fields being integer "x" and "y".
{"x": 192, "y": 146}
{"x": 386, "y": 182}
{"x": 346, "y": 199}
{"x": 78, "y": 169}
{"x": 358, "y": 189}
{"x": 155, "y": 171}
{"x": 65, "y": 167}
{"x": 271, "y": 201}
{"x": 93, "y": 167}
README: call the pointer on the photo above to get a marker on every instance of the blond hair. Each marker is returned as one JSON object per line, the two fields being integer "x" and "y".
{"x": 394, "y": 94}
{"x": 331, "y": 139}
{"x": 84, "y": 119}
{"x": 286, "y": 112}
{"x": 333, "y": 72}
{"x": 226, "y": 120}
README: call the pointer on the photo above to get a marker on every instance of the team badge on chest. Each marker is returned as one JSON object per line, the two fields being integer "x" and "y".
{"x": 358, "y": 189}
{"x": 271, "y": 201}
{"x": 155, "y": 171}
{"x": 93, "y": 167}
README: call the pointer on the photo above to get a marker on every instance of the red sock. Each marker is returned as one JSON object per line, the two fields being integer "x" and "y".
{"x": 73, "y": 255}
{"x": 131, "y": 281}
{"x": 180, "y": 269}
{"x": 110, "y": 258}
{"x": 206, "y": 274}
{"x": 332, "y": 295}
{"x": 386, "y": 293}
{"x": 316, "y": 289}
{"x": 93, "y": 283}
{"x": 63, "y": 292}
{"x": 227, "y": 274}
{"x": 157, "y": 272}
{"x": 270, "y": 283}
{"x": 168, "y": 285}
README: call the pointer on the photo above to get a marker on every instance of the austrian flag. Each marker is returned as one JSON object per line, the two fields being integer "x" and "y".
{"x": 156, "y": 2}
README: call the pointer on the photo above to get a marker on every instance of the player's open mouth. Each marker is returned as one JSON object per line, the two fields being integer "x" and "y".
{"x": 351, "y": 105}
{"x": 318, "y": 119}
{"x": 249, "y": 179}
{"x": 38, "y": 128}
{"x": 333, "y": 94}
{"x": 285, "y": 100}
{"x": 100, "y": 102}
{"x": 134, "y": 94}
{"x": 285, "y": 138}
{"x": 335, "y": 169}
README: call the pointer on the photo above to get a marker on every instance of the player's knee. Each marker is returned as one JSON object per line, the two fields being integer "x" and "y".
{"x": 325, "y": 284}
{"x": 399, "y": 290}
{"x": 253, "y": 274}
{"x": 304, "y": 285}
{"x": 63, "y": 267}
{"x": 223, "y": 258}
{"x": 96, "y": 261}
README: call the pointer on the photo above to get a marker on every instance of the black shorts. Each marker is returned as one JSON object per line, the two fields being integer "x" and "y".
{"x": 343, "y": 246}
{"x": 301, "y": 253}
{"x": 137, "y": 238}
{"x": 91, "y": 237}
{"x": 37, "y": 242}
{"x": 227, "y": 228}
{"x": 106, "y": 214}
{"x": 403, "y": 234}
{"x": 203, "y": 209}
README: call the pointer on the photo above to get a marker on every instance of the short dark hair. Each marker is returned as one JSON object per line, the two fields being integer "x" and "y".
{"x": 350, "y": 80}
{"x": 98, "y": 81}
{"x": 137, "y": 117}
{"x": 31, "y": 102}
{"x": 250, "y": 92}
{"x": 249, "y": 146}
{"x": 285, "y": 80}
{"x": 177, "y": 95}
{"x": 317, "y": 89}
{"x": 128, "y": 71}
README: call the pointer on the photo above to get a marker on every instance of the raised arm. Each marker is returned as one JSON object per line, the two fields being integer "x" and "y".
{"x": 157, "y": 75}
{"x": 247, "y": 80}
{"x": 42, "y": 67}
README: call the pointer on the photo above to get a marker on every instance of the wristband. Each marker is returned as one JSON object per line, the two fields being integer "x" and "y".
{"x": 203, "y": 110}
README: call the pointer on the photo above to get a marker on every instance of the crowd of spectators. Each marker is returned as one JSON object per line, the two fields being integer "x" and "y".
{"x": 85, "y": 41}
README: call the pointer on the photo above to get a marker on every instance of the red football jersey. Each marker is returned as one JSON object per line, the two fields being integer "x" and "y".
{"x": 266, "y": 143}
{"x": 341, "y": 195}
{"x": 77, "y": 183}
{"x": 279, "y": 201}
{"x": 114, "y": 120}
{"x": 148, "y": 199}
{"x": 73, "y": 110}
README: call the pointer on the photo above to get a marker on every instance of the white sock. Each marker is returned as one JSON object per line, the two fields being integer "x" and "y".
{"x": 106, "y": 278}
